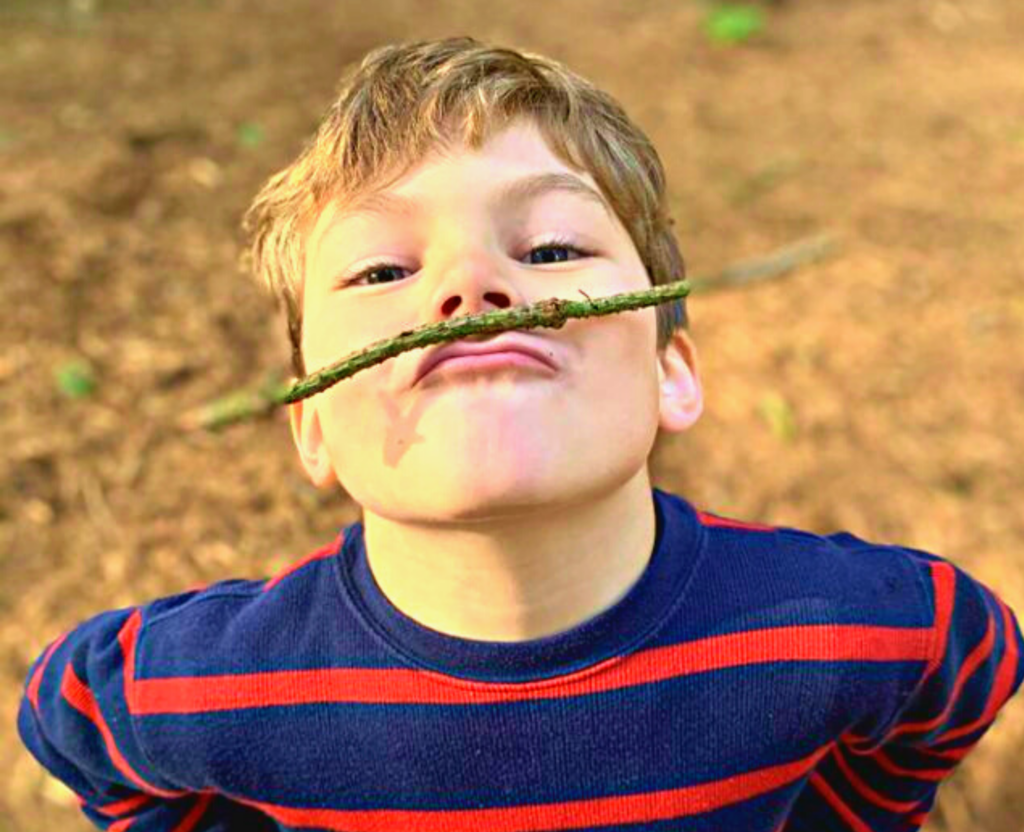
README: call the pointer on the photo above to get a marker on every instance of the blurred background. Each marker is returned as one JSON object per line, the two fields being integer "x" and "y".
{"x": 876, "y": 390}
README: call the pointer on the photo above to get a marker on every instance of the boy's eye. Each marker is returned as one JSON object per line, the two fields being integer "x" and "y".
{"x": 372, "y": 270}
{"x": 550, "y": 253}
{"x": 551, "y": 248}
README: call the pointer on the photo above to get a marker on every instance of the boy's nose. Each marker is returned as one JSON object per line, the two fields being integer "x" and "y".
{"x": 473, "y": 283}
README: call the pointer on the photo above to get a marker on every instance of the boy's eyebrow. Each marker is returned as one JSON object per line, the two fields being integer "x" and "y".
{"x": 512, "y": 193}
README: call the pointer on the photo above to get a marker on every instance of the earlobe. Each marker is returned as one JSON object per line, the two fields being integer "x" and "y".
{"x": 309, "y": 442}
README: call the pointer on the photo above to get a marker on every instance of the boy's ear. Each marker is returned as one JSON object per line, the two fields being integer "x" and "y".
{"x": 682, "y": 398}
{"x": 309, "y": 441}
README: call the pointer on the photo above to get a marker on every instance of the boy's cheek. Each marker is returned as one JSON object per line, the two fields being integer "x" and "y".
{"x": 337, "y": 329}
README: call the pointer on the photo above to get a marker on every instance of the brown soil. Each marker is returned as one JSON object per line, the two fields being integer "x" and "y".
{"x": 126, "y": 162}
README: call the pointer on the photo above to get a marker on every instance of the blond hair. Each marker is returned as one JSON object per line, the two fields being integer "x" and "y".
{"x": 404, "y": 100}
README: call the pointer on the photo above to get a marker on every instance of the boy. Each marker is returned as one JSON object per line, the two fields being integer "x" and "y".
{"x": 520, "y": 633}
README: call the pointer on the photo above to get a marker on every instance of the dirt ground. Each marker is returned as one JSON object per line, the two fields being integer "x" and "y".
{"x": 878, "y": 391}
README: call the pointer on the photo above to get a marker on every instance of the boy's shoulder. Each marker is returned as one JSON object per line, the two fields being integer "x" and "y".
{"x": 876, "y": 571}
{"x": 218, "y": 628}
{"x": 759, "y": 571}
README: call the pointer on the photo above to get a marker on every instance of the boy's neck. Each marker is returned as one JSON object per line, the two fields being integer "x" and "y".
{"x": 519, "y": 579}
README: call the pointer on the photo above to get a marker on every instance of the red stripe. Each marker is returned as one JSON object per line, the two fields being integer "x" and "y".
{"x": 944, "y": 588}
{"x": 944, "y": 585}
{"x": 620, "y": 809}
{"x": 825, "y": 642}
{"x": 932, "y": 774}
{"x": 186, "y": 824}
{"x": 81, "y": 699}
{"x": 955, "y": 754}
{"x": 998, "y": 694}
{"x": 195, "y": 813}
{"x": 977, "y": 656}
{"x": 1000, "y": 691}
{"x": 865, "y": 791}
{"x": 324, "y": 551}
{"x": 37, "y": 677}
{"x": 841, "y": 809}
{"x": 128, "y": 638}
{"x": 123, "y": 806}
{"x": 709, "y": 519}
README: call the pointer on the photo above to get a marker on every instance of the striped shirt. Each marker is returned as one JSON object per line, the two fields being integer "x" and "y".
{"x": 754, "y": 678}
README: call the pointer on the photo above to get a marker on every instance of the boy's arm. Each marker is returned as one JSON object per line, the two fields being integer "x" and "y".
{"x": 889, "y": 778}
{"x": 76, "y": 721}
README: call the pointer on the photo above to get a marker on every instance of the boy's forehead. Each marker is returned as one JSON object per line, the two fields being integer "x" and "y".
{"x": 523, "y": 167}
{"x": 509, "y": 193}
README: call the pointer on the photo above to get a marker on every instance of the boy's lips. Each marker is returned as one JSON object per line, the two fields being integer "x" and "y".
{"x": 507, "y": 342}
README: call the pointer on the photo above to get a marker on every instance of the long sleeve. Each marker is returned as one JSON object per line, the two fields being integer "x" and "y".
{"x": 888, "y": 779}
{"x": 75, "y": 719}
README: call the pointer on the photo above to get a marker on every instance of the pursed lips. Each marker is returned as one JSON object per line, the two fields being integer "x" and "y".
{"x": 504, "y": 350}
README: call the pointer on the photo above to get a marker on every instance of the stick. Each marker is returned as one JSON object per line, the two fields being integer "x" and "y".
{"x": 553, "y": 312}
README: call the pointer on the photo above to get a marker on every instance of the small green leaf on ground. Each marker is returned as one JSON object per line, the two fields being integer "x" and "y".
{"x": 75, "y": 379}
{"x": 778, "y": 414}
{"x": 728, "y": 23}
{"x": 250, "y": 134}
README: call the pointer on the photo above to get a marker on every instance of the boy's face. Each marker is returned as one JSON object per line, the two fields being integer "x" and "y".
{"x": 488, "y": 443}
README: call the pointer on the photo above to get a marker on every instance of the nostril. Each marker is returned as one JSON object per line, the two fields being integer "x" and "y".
{"x": 499, "y": 299}
{"x": 504, "y": 303}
